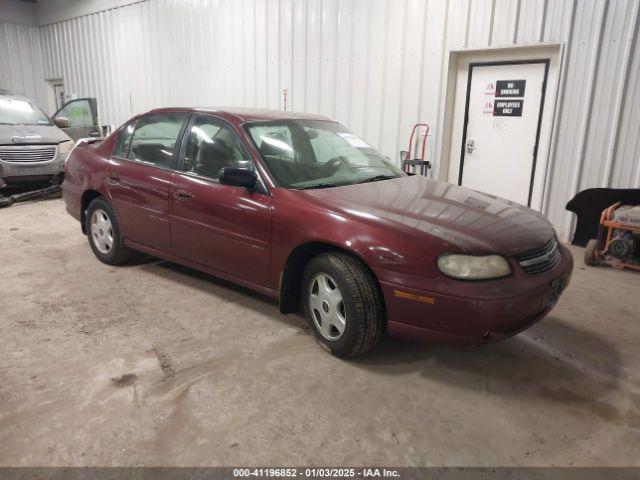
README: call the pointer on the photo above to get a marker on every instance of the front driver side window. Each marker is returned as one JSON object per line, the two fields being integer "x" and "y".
{"x": 212, "y": 146}
{"x": 78, "y": 112}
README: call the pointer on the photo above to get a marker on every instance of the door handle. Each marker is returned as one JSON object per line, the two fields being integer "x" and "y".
{"x": 182, "y": 195}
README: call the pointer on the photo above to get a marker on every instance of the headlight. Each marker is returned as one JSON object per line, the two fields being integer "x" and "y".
{"x": 65, "y": 147}
{"x": 469, "y": 267}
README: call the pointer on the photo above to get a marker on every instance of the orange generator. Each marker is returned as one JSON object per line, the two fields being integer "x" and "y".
{"x": 618, "y": 242}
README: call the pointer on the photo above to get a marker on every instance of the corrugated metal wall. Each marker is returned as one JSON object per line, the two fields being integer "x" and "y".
{"x": 375, "y": 65}
{"x": 591, "y": 144}
{"x": 21, "y": 69}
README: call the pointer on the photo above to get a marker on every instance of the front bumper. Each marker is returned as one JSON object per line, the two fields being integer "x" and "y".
{"x": 462, "y": 312}
{"x": 14, "y": 171}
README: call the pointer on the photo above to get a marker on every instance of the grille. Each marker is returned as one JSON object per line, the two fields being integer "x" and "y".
{"x": 27, "y": 153}
{"x": 540, "y": 260}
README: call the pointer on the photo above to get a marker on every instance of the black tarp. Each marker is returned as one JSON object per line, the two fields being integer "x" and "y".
{"x": 589, "y": 204}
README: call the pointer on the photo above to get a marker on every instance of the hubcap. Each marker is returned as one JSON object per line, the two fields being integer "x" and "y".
{"x": 101, "y": 231}
{"x": 327, "y": 306}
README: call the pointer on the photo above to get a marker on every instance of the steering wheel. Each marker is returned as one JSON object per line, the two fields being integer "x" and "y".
{"x": 331, "y": 166}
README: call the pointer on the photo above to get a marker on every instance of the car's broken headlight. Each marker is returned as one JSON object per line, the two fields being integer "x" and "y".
{"x": 470, "y": 267}
{"x": 65, "y": 147}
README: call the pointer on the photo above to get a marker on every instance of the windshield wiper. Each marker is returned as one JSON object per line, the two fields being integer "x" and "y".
{"x": 377, "y": 178}
{"x": 318, "y": 185}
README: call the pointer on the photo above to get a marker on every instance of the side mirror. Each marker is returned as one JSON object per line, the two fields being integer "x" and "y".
{"x": 404, "y": 155}
{"x": 238, "y": 177}
{"x": 61, "y": 122}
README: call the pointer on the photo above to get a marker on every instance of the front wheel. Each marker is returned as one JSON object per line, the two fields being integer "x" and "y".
{"x": 104, "y": 234}
{"x": 343, "y": 304}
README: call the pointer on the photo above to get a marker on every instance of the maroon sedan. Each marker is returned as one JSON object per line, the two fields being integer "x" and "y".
{"x": 300, "y": 209}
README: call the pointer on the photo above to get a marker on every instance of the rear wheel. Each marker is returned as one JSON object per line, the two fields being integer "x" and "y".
{"x": 591, "y": 253}
{"x": 342, "y": 304}
{"x": 104, "y": 234}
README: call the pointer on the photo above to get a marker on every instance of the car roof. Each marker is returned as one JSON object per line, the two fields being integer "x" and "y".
{"x": 241, "y": 114}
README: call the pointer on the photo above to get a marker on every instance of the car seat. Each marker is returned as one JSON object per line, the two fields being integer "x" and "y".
{"x": 213, "y": 156}
{"x": 283, "y": 167}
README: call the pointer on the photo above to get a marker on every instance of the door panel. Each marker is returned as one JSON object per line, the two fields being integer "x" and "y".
{"x": 139, "y": 179}
{"x": 501, "y": 131}
{"x": 223, "y": 227}
{"x": 83, "y": 118}
{"x": 140, "y": 195}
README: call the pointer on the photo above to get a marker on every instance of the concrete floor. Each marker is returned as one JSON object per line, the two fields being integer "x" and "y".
{"x": 155, "y": 364}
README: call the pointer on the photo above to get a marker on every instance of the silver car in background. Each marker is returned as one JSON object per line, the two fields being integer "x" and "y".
{"x": 32, "y": 148}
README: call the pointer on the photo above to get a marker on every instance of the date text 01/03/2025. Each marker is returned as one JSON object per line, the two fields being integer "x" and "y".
{"x": 316, "y": 472}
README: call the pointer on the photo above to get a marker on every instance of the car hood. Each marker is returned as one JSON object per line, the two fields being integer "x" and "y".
{"x": 31, "y": 134}
{"x": 471, "y": 221}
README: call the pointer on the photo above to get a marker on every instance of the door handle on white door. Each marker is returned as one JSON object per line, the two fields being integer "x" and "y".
{"x": 470, "y": 146}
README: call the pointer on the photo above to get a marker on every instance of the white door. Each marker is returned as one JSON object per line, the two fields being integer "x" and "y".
{"x": 502, "y": 127}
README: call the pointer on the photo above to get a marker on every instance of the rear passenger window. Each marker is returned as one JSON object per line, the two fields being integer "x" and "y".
{"x": 124, "y": 141}
{"x": 154, "y": 139}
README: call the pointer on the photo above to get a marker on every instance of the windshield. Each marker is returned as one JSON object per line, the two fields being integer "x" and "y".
{"x": 20, "y": 111}
{"x": 318, "y": 154}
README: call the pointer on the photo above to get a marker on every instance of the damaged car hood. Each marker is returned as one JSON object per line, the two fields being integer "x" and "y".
{"x": 31, "y": 135}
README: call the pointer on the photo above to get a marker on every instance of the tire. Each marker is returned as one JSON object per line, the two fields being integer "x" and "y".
{"x": 590, "y": 253}
{"x": 107, "y": 242}
{"x": 357, "y": 307}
